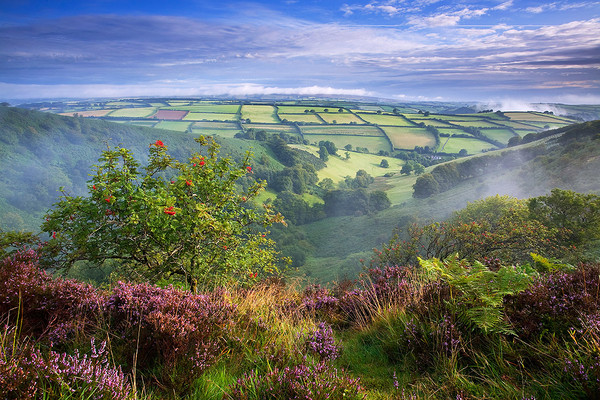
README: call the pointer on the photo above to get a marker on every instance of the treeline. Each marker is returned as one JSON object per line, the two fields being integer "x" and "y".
{"x": 446, "y": 176}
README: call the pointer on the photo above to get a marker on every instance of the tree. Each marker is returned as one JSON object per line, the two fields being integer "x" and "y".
{"x": 384, "y": 163}
{"x": 323, "y": 153}
{"x": 348, "y": 147}
{"x": 169, "y": 221}
{"x": 419, "y": 169}
{"x": 463, "y": 152}
{"x": 425, "y": 186}
{"x": 407, "y": 168}
{"x": 330, "y": 146}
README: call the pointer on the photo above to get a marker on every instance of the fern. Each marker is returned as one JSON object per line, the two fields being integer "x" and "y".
{"x": 477, "y": 293}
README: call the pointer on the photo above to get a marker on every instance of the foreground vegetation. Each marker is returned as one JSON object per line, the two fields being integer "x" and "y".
{"x": 501, "y": 301}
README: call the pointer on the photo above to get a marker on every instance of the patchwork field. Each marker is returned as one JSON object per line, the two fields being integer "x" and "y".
{"x": 301, "y": 109}
{"x": 475, "y": 124}
{"x": 408, "y": 138}
{"x": 272, "y": 128}
{"x": 352, "y": 130}
{"x": 501, "y": 135}
{"x": 196, "y": 116}
{"x": 305, "y": 118}
{"x": 432, "y": 122}
{"x": 229, "y": 133}
{"x": 260, "y": 113}
{"x": 170, "y": 114}
{"x": 473, "y": 146}
{"x": 340, "y": 118}
{"x": 209, "y": 108}
{"x": 139, "y": 112}
{"x": 372, "y": 143}
{"x": 90, "y": 113}
{"x": 385, "y": 119}
{"x": 528, "y": 116}
{"x": 215, "y": 125}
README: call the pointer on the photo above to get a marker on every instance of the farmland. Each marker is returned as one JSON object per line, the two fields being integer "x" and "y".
{"x": 376, "y": 127}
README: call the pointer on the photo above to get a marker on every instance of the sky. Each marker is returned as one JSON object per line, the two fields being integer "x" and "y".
{"x": 404, "y": 50}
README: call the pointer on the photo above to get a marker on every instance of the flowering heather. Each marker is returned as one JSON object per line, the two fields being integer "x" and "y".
{"x": 322, "y": 343}
{"x": 555, "y": 301}
{"x": 176, "y": 328}
{"x": 25, "y": 373}
{"x": 54, "y": 309}
{"x": 301, "y": 382}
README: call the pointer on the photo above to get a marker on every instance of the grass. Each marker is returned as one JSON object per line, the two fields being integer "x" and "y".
{"x": 502, "y": 135}
{"x": 530, "y": 116}
{"x": 260, "y": 113}
{"x": 90, "y": 113}
{"x": 341, "y": 130}
{"x": 208, "y": 108}
{"x": 372, "y": 143}
{"x": 338, "y": 167}
{"x": 340, "y": 118}
{"x": 228, "y": 133}
{"x": 301, "y": 109}
{"x": 140, "y": 112}
{"x": 216, "y": 125}
{"x": 408, "y": 138}
{"x": 385, "y": 119}
{"x": 473, "y": 146}
{"x": 196, "y": 116}
{"x": 272, "y": 128}
{"x": 306, "y": 118}
{"x": 476, "y": 123}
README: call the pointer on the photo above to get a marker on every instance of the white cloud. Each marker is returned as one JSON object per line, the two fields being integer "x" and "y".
{"x": 504, "y": 6}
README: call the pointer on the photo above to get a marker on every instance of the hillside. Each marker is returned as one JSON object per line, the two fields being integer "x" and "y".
{"x": 41, "y": 152}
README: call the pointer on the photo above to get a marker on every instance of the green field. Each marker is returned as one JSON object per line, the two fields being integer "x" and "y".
{"x": 277, "y": 128}
{"x": 385, "y": 119}
{"x": 364, "y": 130}
{"x": 340, "y": 118}
{"x": 476, "y": 124}
{"x": 452, "y": 131}
{"x": 139, "y": 112}
{"x": 196, "y": 116}
{"x": 260, "y": 113}
{"x": 408, "y": 138}
{"x": 301, "y": 109}
{"x": 528, "y": 116}
{"x": 216, "y": 125}
{"x": 473, "y": 146}
{"x": 501, "y": 135}
{"x": 432, "y": 122}
{"x": 306, "y": 118}
{"x": 338, "y": 167}
{"x": 208, "y": 108}
{"x": 374, "y": 144}
{"x": 143, "y": 123}
{"x": 173, "y": 125}
{"x": 519, "y": 125}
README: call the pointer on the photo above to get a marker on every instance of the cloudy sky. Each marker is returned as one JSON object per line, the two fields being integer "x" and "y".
{"x": 398, "y": 49}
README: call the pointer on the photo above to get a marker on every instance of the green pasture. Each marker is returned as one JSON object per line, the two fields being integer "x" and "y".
{"x": 215, "y": 125}
{"x": 548, "y": 125}
{"x": 301, "y": 109}
{"x": 519, "y": 125}
{"x": 120, "y": 103}
{"x": 173, "y": 125}
{"x": 452, "y": 131}
{"x": 476, "y": 124}
{"x": 177, "y": 103}
{"x": 367, "y": 107}
{"x": 408, "y": 138}
{"x": 363, "y": 130}
{"x": 501, "y": 135}
{"x": 276, "y": 128}
{"x": 532, "y": 117}
{"x": 306, "y": 118}
{"x": 432, "y": 122}
{"x": 340, "y": 118}
{"x": 139, "y": 112}
{"x": 490, "y": 115}
{"x": 208, "y": 108}
{"x": 473, "y": 146}
{"x": 195, "y": 116}
{"x": 159, "y": 104}
{"x": 338, "y": 167}
{"x": 385, "y": 119}
{"x": 260, "y": 113}
{"x": 374, "y": 144}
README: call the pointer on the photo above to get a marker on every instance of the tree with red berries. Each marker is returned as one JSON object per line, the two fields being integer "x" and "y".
{"x": 169, "y": 221}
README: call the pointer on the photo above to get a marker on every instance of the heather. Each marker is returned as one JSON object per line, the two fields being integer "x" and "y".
{"x": 397, "y": 332}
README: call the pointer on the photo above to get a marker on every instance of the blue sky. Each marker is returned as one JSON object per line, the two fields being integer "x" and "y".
{"x": 487, "y": 51}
